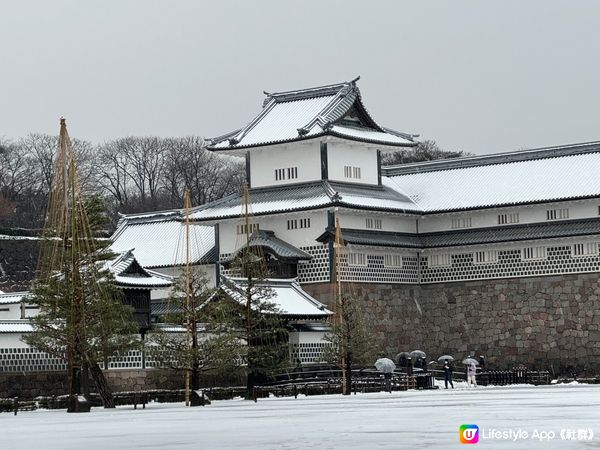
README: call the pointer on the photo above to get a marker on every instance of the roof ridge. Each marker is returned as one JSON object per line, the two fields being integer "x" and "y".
{"x": 493, "y": 159}
{"x": 311, "y": 92}
{"x": 323, "y": 118}
{"x": 14, "y": 294}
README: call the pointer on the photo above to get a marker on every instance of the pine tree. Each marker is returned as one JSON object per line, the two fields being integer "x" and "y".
{"x": 82, "y": 318}
{"x": 353, "y": 342}
{"x": 210, "y": 341}
{"x": 264, "y": 330}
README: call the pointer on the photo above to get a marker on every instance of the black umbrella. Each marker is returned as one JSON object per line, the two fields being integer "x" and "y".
{"x": 402, "y": 355}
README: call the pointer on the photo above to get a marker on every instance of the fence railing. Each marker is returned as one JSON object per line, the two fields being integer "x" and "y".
{"x": 516, "y": 375}
{"x": 328, "y": 380}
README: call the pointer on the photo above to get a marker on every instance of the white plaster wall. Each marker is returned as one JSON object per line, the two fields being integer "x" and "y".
{"x": 389, "y": 222}
{"x": 373, "y": 250}
{"x": 300, "y": 237}
{"x": 307, "y": 337}
{"x": 206, "y": 270}
{"x": 228, "y": 237}
{"x": 159, "y": 294}
{"x": 14, "y": 311}
{"x": 340, "y": 154}
{"x": 527, "y": 214}
{"x": 306, "y": 156}
{"x": 12, "y": 340}
{"x": 230, "y": 241}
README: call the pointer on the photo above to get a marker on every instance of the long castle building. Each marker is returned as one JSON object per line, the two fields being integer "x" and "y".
{"x": 494, "y": 255}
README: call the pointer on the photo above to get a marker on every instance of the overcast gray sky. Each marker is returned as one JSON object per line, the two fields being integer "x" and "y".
{"x": 479, "y": 76}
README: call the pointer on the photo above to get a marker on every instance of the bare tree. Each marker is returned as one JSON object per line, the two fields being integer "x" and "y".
{"x": 130, "y": 174}
{"x": 209, "y": 177}
{"x": 130, "y": 169}
{"x": 424, "y": 151}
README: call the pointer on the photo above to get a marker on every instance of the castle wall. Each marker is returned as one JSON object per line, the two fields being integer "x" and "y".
{"x": 304, "y": 156}
{"x": 18, "y": 262}
{"x": 32, "y": 384}
{"x": 528, "y": 213}
{"x": 543, "y": 322}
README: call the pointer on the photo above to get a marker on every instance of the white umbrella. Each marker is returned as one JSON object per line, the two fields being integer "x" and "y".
{"x": 418, "y": 354}
{"x": 469, "y": 361}
{"x": 385, "y": 365}
{"x": 445, "y": 358}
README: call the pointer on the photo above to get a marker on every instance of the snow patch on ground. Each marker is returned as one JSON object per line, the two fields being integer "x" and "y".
{"x": 413, "y": 419}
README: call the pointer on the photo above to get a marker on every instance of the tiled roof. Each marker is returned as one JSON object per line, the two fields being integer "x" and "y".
{"x": 267, "y": 201}
{"x": 513, "y": 233}
{"x": 532, "y": 176}
{"x": 163, "y": 306}
{"x": 374, "y": 238}
{"x": 174, "y": 328}
{"x": 494, "y": 158}
{"x": 158, "y": 239}
{"x": 307, "y": 196}
{"x": 7, "y": 298}
{"x": 309, "y": 113}
{"x": 267, "y": 239}
{"x": 15, "y": 326}
{"x": 505, "y": 233}
{"x": 287, "y": 296}
{"x": 378, "y": 198}
{"x": 367, "y": 135}
{"x": 128, "y": 272}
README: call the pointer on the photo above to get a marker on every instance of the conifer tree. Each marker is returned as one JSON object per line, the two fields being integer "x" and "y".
{"x": 209, "y": 341}
{"x": 264, "y": 330}
{"x": 351, "y": 336}
{"x": 82, "y": 318}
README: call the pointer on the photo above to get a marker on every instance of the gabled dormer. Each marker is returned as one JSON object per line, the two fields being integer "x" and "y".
{"x": 321, "y": 133}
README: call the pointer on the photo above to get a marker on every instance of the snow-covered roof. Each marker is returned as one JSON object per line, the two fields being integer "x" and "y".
{"x": 267, "y": 239}
{"x": 15, "y": 326}
{"x": 10, "y": 237}
{"x": 287, "y": 296}
{"x": 472, "y": 236}
{"x": 128, "y": 272}
{"x": 306, "y": 196}
{"x": 7, "y": 298}
{"x": 172, "y": 328}
{"x": 531, "y": 176}
{"x": 335, "y": 110}
{"x": 158, "y": 239}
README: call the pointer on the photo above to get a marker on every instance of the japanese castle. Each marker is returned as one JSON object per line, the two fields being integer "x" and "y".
{"x": 493, "y": 255}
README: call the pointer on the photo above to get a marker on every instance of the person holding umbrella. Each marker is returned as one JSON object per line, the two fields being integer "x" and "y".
{"x": 471, "y": 364}
{"x": 387, "y": 367}
{"x": 447, "y": 369}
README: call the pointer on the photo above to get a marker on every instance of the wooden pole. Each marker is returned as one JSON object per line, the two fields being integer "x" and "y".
{"x": 247, "y": 268}
{"x": 188, "y": 289}
{"x": 341, "y": 315}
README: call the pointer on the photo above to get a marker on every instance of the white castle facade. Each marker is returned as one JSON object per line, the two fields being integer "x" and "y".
{"x": 497, "y": 254}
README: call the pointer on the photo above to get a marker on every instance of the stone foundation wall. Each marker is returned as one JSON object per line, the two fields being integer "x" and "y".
{"x": 548, "y": 323}
{"x": 33, "y": 384}
{"x": 28, "y": 385}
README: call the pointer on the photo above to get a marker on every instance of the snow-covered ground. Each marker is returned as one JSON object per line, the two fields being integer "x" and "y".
{"x": 415, "y": 419}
